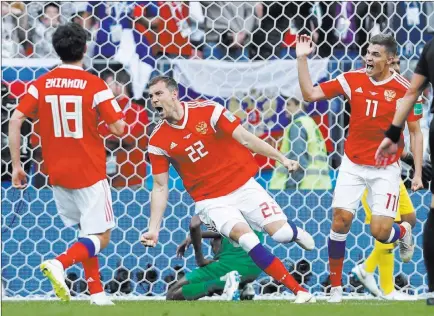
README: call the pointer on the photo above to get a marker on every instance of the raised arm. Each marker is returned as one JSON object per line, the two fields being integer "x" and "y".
{"x": 303, "y": 49}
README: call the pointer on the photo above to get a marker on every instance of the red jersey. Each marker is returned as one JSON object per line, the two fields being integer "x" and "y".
{"x": 69, "y": 102}
{"x": 373, "y": 105}
{"x": 130, "y": 160}
{"x": 210, "y": 162}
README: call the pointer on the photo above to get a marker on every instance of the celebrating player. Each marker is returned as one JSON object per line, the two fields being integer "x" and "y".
{"x": 374, "y": 94}
{"x": 382, "y": 255}
{"x": 230, "y": 267}
{"x": 210, "y": 150}
{"x": 69, "y": 102}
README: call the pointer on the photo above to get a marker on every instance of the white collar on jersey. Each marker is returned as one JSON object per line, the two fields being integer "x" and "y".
{"x": 379, "y": 83}
{"x": 185, "y": 105}
{"x": 70, "y": 66}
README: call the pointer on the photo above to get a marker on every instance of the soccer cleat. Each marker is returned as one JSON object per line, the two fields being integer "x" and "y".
{"x": 336, "y": 294}
{"x": 304, "y": 239}
{"x": 399, "y": 296}
{"x": 248, "y": 292}
{"x": 304, "y": 297}
{"x": 367, "y": 279}
{"x": 55, "y": 273}
{"x": 101, "y": 299}
{"x": 406, "y": 245}
{"x": 231, "y": 291}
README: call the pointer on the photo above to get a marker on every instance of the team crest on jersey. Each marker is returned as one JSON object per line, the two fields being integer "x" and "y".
{"x": 389, "y": 95}
{"x": 202, "y": 127}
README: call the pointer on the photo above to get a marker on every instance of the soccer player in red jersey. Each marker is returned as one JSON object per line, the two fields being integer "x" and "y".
{"x": 212, "y": 153}
{"x": 69, "y": 102}
{"x": 374, "y": 93}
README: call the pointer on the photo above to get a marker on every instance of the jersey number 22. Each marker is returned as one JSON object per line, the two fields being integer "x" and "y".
{"x": 196, "y": 151}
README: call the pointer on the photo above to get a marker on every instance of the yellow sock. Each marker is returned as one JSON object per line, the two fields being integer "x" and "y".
{"x": 373, "y": 260}
{"x": 386, "y": 267}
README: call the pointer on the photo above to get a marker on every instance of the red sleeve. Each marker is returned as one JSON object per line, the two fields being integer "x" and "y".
{"x": 29, "y": 102}
{"x": 332, "y": 88}
{"x": 105, "y": 102}
{"x": 159, "y": 163}
{"x": 228, "y": 122}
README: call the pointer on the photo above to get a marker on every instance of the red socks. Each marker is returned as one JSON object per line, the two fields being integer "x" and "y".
{"x": 91, "y": 273}
{"x": 278, "y": 271}
{"x": 77, "y": 253}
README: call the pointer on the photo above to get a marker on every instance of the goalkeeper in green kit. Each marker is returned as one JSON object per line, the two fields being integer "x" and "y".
{"x": 230, "y": 268}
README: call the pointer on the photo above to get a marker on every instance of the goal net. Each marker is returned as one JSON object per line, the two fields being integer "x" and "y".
{"x": 241, "y": 55}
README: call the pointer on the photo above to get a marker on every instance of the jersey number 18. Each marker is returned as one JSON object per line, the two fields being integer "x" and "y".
{"x": 61, "y": 115}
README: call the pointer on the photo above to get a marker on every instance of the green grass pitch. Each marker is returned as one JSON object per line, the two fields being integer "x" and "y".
{"x": 217, "y": 308}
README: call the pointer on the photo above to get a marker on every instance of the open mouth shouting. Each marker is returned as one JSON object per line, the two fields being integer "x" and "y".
{"x": 369, "y": 67}
{"x": 159, "y": 109}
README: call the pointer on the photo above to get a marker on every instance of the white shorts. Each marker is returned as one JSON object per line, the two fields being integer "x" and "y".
{"x": 249, "y": 204}
{"x": 89, "y": 207}
{"x": 382, "y": 185}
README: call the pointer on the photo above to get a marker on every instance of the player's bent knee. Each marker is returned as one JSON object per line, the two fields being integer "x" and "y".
{"x": 274, "y": 227}
{"x": 381, "y": 233}
{"x": 284, "y": 235}
{"x": 381, "y": 227}
{"x": 342, "y": 220}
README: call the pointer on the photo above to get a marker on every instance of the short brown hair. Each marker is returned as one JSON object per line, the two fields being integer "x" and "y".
{"x": 171, "y": 84}
{"x": 386, "y": 40}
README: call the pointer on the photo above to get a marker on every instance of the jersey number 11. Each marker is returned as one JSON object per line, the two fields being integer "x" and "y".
{"x": 368, "y": 107}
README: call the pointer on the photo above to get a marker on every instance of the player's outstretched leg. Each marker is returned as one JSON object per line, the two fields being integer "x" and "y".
{"x": 283, "y": 231}
{"x": 267, "y": 262}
